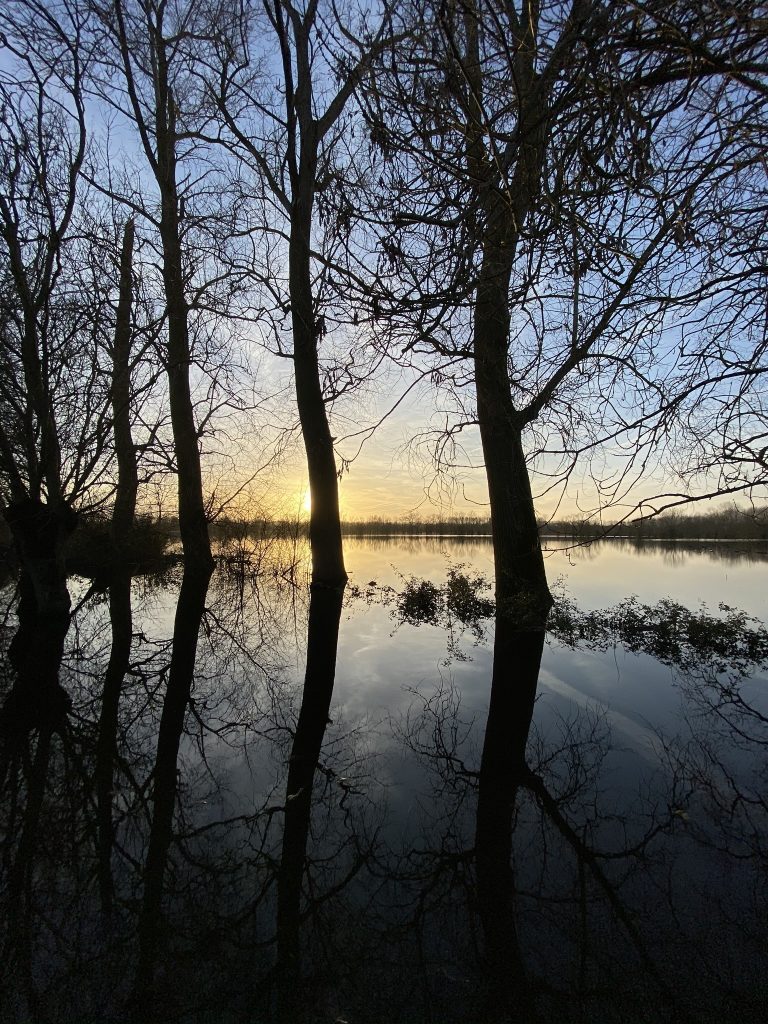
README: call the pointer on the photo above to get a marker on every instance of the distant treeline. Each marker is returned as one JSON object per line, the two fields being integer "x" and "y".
{"x": 374, "y": 527}
{"x": 721, "y": 524}
{"x": 724, "y": 524}
{"x": 457, "y": 525}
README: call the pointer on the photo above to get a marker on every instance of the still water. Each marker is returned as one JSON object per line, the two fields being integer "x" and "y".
{"x": 635, "y": 887}
{"x": 381, "y": 660}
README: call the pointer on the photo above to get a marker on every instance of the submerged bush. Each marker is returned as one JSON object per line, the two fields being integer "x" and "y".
{"x": 419, "y": 602}
{"x": 462, "y": 596}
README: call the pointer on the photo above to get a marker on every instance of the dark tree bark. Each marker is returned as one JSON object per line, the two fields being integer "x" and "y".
{"x": 522, "y": 593}
{"x": 120, "y": 612}
{"x": 521, "y": 583}
{"x": 304, "y": 137}
{"x": 44, "y": 135}
{"x": 193, "y": 521}
{"x": 125, "y": 452}
{"x": 325, "y": 520}
{"x": 297, "y": 166}
{"x": 36, "y": 699}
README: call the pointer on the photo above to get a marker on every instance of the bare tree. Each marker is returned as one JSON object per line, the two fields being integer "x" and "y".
{"x": 563, "y": 232}
{"x": 299, "y": 150}
{"x": 147, "y": 58}
{"x": 44, "y": 140}
{"x": 145, "y": 66}
{"x": 125, "y": 449}
{"x": 53, "y": 423}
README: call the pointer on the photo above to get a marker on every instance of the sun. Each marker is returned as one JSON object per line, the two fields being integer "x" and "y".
{"x": 306, "y": 504}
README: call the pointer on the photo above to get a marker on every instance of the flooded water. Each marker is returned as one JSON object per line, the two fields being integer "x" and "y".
{"x": 634, "y": 878}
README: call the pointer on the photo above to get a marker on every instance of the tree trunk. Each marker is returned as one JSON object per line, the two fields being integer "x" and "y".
{"x": 36, "y": 700}
{"x": 521, "y": 583}
{"x": 523, "y": 601}
{"x": 120, "y": 612}
{"x": 325, "y": 519}
{"x": 127, "y": 474}
{"x": 328, "y": 573}
{"x": 193, "y": 521}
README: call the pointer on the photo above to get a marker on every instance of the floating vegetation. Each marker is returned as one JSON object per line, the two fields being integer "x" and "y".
{"x": 726, "y": 641}
{"x": 670, "y": 632}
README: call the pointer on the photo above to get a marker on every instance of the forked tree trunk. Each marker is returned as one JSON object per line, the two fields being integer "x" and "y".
{"x": 159, "y": 139}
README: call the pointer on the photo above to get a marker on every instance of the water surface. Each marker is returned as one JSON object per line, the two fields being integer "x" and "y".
{"x": 638, "y": 835}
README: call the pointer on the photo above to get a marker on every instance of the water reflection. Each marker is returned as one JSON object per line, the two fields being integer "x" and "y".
{"x": 674, "y": 553}
{"x": 503, "y": 769}
{"x": 121, "y": 620}
{"x": 181, "y": 668}
{"x": 322, "y": 639}
{"x": 227, "y": 825}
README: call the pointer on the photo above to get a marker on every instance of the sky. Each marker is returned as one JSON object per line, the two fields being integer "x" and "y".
{"x": 392, "y": 475}
{"x": 388, "y": 475}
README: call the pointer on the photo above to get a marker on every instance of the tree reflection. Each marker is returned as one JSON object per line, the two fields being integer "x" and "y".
{"x": 33, "y": 711}
{"x": 322, "y": 640}
{"x": 189, "y": 614}
{"x": 520, "y": 871}
{"x": 107, "y": 740}
{"x": 604, "y": 885}
{"x": 516, "y": 663}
